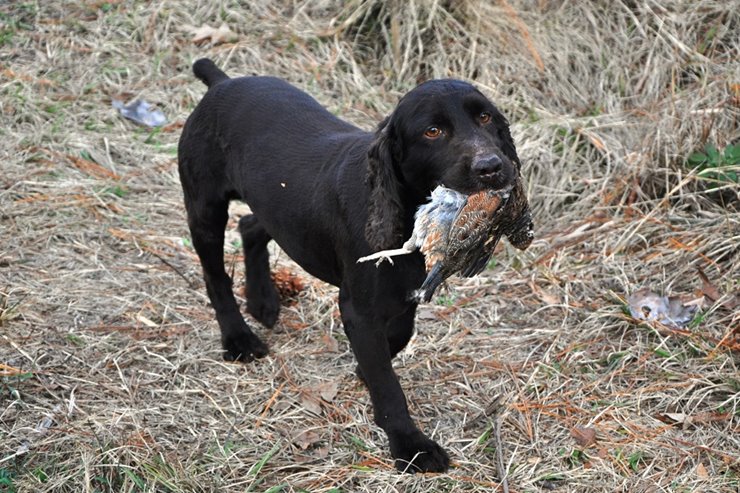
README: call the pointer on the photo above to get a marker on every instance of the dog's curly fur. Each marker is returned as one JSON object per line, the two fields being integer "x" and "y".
{"x": 329, "y": 193}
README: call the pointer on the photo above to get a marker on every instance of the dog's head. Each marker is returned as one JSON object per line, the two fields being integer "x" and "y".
{"x": 442, "y": 132}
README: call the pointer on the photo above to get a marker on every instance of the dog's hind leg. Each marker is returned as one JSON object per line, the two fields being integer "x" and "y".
{"x": 263, "y": 301}
{"x": 207, "y": 221}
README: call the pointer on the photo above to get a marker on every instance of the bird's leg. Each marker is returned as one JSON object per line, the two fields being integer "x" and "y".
{"x": 408, "y": 247}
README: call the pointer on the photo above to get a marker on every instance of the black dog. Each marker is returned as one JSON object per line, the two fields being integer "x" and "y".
{"x": 329, "y": 193}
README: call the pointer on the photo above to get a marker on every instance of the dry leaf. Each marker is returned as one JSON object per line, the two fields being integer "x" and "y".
{"x": 709, "y": 289}
{"x": 545, "y": 296}
{"x": 583, "y": 435}
{"x": 680, "y": 418}
{"x": 426, "y": 313}
{"x": 306, "y": 439}
{"x": 310, "y": 402}
{"x": 327, "y": 390}
{"x": 311, "y": 398}
{"x": 710, "y": 417}
{"x": 146, "y": 321}
{"x": 331, "y": 344}
{"x": 713, "y": 294}
{"x": 217, "y": 36}
{"x": 288, "y": 283}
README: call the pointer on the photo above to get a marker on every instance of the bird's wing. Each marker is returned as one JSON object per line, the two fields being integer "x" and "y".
{"x": 516, "y": 219}
{"x": 480, "y": 257}
{"x": 513, "y": 219}
{"x": 473, "y": 224}
{"x": 475, "y": 233}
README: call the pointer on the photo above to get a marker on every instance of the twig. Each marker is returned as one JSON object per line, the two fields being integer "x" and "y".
{"x": 492, "y": 410}
{"x": 269, "y": 404}
{"x": 501, "y": 471}
{"x": 171, "y": 266}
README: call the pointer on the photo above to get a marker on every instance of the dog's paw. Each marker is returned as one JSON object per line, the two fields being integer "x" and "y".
{"x": 414, "y": 452}
{"x": 264, "y": 305}
{"x": 264, "y": 309}
{"x": 245, "y": 347}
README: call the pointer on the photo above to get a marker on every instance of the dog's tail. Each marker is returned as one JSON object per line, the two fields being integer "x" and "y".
{"x": 208, "y": 72}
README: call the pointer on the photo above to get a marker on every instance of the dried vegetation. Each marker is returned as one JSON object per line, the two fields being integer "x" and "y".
{"x": 110, "y": 376}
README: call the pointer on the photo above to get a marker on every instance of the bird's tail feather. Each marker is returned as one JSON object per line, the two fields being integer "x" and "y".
{"x": 431, "y": 283}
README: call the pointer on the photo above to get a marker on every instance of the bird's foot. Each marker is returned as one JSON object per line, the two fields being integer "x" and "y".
{"x": 379, "y": 258}
{"x": 382, "y": 259}
{"x": 384, "y": 255}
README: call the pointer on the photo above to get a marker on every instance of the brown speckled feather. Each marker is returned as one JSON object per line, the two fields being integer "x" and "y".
{"x": 472, "y": 225}
{"x": 458, "y": 233}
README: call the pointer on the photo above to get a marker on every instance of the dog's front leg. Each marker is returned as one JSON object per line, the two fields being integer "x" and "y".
{"x": 412, "y": 450}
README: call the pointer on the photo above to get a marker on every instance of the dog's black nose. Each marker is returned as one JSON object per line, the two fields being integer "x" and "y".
{"x": 488, "y": 166}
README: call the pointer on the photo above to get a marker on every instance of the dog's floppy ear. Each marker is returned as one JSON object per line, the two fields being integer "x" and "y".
{"x": 384, "y": 227}
{"x": 502, "y": 126}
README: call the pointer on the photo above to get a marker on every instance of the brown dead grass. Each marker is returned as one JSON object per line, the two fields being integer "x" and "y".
{"x": 110, "y": 376}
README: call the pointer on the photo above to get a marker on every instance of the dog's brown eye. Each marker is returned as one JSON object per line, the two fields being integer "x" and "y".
{"x": 484, "y": 117}
{"x": 432, "y": 132}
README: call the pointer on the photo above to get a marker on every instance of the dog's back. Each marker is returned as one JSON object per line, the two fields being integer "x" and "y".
{"x": 261, "y": 140}
{"x": 262, "y": 104}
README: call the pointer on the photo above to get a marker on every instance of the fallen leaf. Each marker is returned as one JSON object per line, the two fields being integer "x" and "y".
{"x": 331, "y": 344}
{"x": 545, "y": 296}
{"x": 306, "y": 439}
{"x": 583, "y": 435}
{"x": 426, "y": 313}
{"x": 709, "y": 289}
{"x": 710, "y": 417}
{"x": 713, "y": 294}
{"x": 303, "y": 458}
{"x": 310, "y": 402}
{"x": 288, "y": 283}
{"x": 146, "y": 321}
{"x": 327, "y": 390}
{"x": 292, "y": 322}
{"x": 217, "y": 36}
{"x": 685, "y": 420}
{"x": 92, "y": 168}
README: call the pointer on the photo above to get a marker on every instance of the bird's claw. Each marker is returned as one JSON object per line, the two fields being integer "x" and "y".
{"x": 374, "y": 256}
{"x": 381, "y": 259}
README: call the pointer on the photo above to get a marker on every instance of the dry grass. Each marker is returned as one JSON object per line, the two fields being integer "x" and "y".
{"x": 110, "y": 377}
